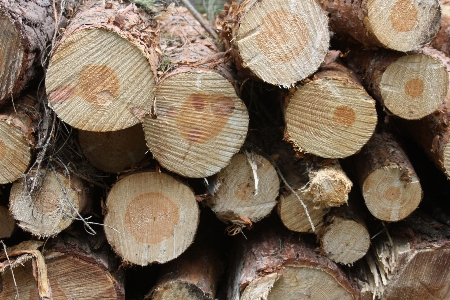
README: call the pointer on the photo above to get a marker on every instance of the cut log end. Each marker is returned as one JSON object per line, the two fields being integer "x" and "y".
{"x": 329, "y": 124}
{"x": 281, "y": 42}
{"x": 248, "y": 189}
{"x": 15, "y": 152}
{"x": 200, "y": 123}
{"x": 414, "y": 86}
{"x": 52, "y": 208}
{"x": 180, "y": 291}
{"x": 151, "y": 218}
{"x": 345, "y": 241}
{"x": 403, "y": 25}
{"x": 446, "y": 158}
{"x": 7, "y": 223}
{"x": 311, "y": 283}
{"x": 11, "y": 56}
{"x": 96, "y": 77}
{"x": 116, "y": 151}
{"x": 390, "y": 196}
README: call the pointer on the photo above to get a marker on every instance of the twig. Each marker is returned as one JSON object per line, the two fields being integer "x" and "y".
{"x": 199, "y": 18}
{"x": 12, "y": 272}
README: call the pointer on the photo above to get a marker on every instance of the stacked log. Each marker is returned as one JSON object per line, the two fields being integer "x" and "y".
{"x": 7, "y": 223}
{"x": 441, "y": 41}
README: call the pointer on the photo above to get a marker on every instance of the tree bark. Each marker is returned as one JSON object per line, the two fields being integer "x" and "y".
{"x": 319, "y": 183}
{"x": 331, "y": 115}
{"x": 151, "y": 217}
{"x": 410, "y": 260}
{"x": 103, "y": 68}
{"x": 245, "y": 191}
{"x": 409, "y": 86}
{"x": 276, "y": 265}
{"x": 18, "y": 124}
{"x": 7, "y": 223}
{"x": 59, "y": 200}
{"x": 199, "y": 122}
{"x": 74, "y": 270}
{"x": 279, "y": 42}
{"x": 442, "y": 39}
{"x": 402, "y": 25}
{"x": 28, "y": 27}
{"x": 114, "y": 152}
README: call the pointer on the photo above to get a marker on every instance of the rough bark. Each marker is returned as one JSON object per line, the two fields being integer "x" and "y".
{"x": 198, "y": 121}
{"x": 410, "y": 260}
{"x": 245, "y": 191}
{"x": 344, "y": 237}
{"x": 116, "y": 151}
{"x": 59, "y": 200}
{"x": 279, "y": 42}
{"x": 390, "y": 186}
{"x": 28, "y": 27}
{"x": 73, "y": 269}
{"x": 103, "y": 69}
{"x": 151, "y": 217}
{"x": 7, "y": 223}
{"x": 18, "y": 124}
{"x": 402, "y": 25}
{"x": 194, "y": 275}
{"x": 276, "y": 265}
{"x": 331, "y": 115}
{"x": 319, "y": 183}
{"x": 442, "y": 39}
{"x": 409, "y": 86}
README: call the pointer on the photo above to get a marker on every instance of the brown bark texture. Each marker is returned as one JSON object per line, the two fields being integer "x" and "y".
{"x": 29, "y": 27}
{"x": 7, "y": 223}
{"x": 442, "y": 39}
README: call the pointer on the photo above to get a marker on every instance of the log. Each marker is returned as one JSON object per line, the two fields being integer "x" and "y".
{"x": 53, "y": 206}
{"x": 7, "y": 223}
{"x": 114, "y": 152}
{"x": 402, "y": 25}
{"x": 28, "y": 26}
{"x": 409, "y": 86}
{"x": 18, "y": 123}
{"x": 278, "y": 265}
{"x": 104, "y": 67}
{"x": 74, "y": 271}
{"x": 245, "y": 191}
{"x": 389, "y": 184}
{"x": 410, "y": 260}
{"x": 330, "y": 116}
{"x": 199, "y": 122}
{"x": 442, "y": 39}
{"x": 151, "y": 217}
{"x": 344, "y": 237}
{"x": 194, "y": 275}
{"x": 279, "y": 42}
{"x": 319, "y": 183}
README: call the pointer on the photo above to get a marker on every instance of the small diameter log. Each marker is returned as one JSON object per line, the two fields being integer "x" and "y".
{"x": 402, "y": 25}
{"x": 151, "y": 217}
{"x": 59, "y": 200}
{"x": 27, "y": 28}
{"x": 331, "y": 115}
{"x": 194, "y": 276}
{"x": 442, "y": 39}
{"x": 319, "y": 183}
{"x": 116, "y": 151}
{"x": 7, "y": 223}
{"x": 277, "y": 41}
{"x": 276, "y": 266}
{"x": 344, "y": 237}
{"x": 245, "y": 191}
{"x": 199, "y": 121}
{"x": 104, "y": 67}
{"x": 411, "y": 260}
{"x": 389, "y": 184}
{"x": 18, "y": 122}
{"x": 74, "y": 271}
{"x": 409, "y": 86}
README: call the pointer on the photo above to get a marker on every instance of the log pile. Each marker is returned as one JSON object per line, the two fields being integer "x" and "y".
{"x": 290, "y": 135}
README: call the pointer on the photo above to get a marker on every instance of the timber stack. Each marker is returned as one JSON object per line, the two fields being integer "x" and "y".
{"x": 144, "y": 156}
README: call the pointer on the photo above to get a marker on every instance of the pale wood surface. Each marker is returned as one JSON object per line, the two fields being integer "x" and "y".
{"x": 151, "y": 217}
